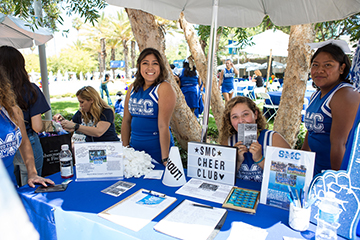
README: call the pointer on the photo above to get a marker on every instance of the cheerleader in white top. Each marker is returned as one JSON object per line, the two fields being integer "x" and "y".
{"x": 149, "y": 104}
{"x": 332, "y": 109}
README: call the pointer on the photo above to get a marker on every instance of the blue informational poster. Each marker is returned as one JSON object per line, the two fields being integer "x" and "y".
{"x": 287, "y": 173}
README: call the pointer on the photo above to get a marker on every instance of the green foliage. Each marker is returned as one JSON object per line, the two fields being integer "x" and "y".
{"x": 32, "y": 62}
{"x": 65, "y": 108}
{"x": 300, "y": 137}
{"x": 118, "y": 122}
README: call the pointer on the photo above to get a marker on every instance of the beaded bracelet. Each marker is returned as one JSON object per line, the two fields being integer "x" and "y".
{"x": 259, "y": 160}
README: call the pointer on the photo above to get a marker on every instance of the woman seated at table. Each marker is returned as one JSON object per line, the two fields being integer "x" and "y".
{"x": 149, "y": 104}
{"x": 95, "y": 118}
{"x": 13, "y": 135}
{"x": 250, "y": 161}
{"x": 332, "y": 109}
{"x": 227, "y": 80}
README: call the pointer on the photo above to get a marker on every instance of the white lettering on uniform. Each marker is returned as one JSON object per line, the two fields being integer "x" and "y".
{"x": 314, "y": 122}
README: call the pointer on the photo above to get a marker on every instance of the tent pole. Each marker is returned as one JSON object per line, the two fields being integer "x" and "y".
{"x": 211, "y": 57}
{"x": 268, "y": 71}
{"x": 42, "y": 59}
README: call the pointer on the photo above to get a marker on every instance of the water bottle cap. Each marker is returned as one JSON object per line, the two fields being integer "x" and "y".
{"x": 65, "y": 147}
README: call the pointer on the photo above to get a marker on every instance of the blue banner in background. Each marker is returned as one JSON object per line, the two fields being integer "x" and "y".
{"x": 117, "y": 64}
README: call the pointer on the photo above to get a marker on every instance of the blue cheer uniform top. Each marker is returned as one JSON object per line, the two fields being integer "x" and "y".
{"x": 228, "y": 81}
{"x": 318, "y": 121}
{"x": 144, "y": 110}
{"x": 190, "y": 89}
{"x": 10, "y": 140}
{"x": 248, "y": 169}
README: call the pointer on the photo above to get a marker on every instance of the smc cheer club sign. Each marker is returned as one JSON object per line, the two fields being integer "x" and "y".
{"x": 212, "y": 162}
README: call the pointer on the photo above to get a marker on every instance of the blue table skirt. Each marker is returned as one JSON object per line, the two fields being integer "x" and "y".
{"x": 276, "y": 97}
{"x": 75, "y": 212}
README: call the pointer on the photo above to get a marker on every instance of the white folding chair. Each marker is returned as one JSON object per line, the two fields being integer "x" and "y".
{"x": 270, "y": 106}
{"x": 241, "y": 89}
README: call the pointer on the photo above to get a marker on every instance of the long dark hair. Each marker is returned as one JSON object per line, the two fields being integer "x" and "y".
{"x": 187, "y": 70}
{"x": 13, "y": 63}
{"x": 139, "y": 80}
{"x": 338, "y": 56}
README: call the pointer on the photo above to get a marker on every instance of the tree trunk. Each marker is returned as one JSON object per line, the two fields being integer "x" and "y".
{"x": 126, "y": 53}
{"x": 147, "y": 34}
{"x": 288, "y": 119}
{"x": 112, "y": 58}
{"x": 133, "y": 65}
{"x": 217, "y": 105}
{"x": 102, "y": 56}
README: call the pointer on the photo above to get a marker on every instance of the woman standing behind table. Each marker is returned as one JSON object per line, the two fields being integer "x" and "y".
{"x": 190, "y": 84}
{"x": 149, "y": 104}
{"x": 258, "y": 78}
{"x": 32, "y": 102}
{"x": 227, "y": 80}
{"x": 332, "y": 109}
{"x": 95, "y": 119}
{"x": 13, "y": 135}
{"x": 250, "y": 161}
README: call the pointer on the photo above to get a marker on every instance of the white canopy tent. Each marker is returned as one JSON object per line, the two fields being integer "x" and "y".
{"x": 18, "y": 34}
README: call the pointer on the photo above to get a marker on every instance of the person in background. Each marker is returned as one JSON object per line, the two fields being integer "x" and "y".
{"x": 32, "y": 102}
{"x": 250, "y": 161}
{"x": 13, "y": 135}
{"x": 258, "y": 78}
{"x": 226, "y": 81}
{"x": 119, "y": 104}
{"x": 103, "y": 87}
{"x": 149, "y": 104}
{"x": 332, "y": 109}
{"x": 190, "y": 84}
{"x": 95, "y": 119}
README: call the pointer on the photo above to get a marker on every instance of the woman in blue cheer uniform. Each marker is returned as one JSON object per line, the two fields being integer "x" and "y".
{"x": 332, "y": 109}
{"x": 250, "y": 161}
{"x": 226, "y": 81}
{"x": 13, "y": 135}
{"x": 190, "y": 84}
{"x": 95, "y": 119}
{"x": 149, "y": 104}
{"x": 32, "y": 102}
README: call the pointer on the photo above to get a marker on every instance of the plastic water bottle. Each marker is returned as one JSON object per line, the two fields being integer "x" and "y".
{"x": 66, "y": 163}
{"x": 327, "y": 222}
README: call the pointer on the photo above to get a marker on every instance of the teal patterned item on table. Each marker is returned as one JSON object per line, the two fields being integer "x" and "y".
{"x": 242, "y": 199}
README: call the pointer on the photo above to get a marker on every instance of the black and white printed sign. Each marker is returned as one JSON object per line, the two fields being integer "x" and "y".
{"x": 212, "y": 162}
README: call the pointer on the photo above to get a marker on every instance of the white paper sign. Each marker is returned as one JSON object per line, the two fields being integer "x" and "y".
{"x": 285, "y": 169}
{"x": 98, "y": 160}
{"x": 212, "y": 162}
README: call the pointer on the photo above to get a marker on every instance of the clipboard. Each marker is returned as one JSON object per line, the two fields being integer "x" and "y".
{"x": 137, "y": 210}
{"x": 191, "y": 220}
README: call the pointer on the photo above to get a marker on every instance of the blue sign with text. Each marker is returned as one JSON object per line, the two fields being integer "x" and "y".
{"x": 117, "y": 64}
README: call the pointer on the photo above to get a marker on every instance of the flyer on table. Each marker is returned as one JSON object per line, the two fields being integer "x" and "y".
{"x": 285, "y": 169}
{"x": 98, "y": 160}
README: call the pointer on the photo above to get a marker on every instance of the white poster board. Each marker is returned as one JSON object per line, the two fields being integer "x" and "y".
{"x": 98, "y": 161}
{"x": 285, "y": 169}
{"x": 211, "y": 162}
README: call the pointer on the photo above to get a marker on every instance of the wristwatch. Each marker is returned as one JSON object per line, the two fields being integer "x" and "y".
{"x": 76, "y": 127}
{"x": 165, "y": 160}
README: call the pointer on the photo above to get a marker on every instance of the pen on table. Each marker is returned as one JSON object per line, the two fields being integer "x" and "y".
{"x": 290, "y": 199}
{"x": 310, "y": 202}
{"x": 154, "y": 194}
{"x": 203, "y": 206}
